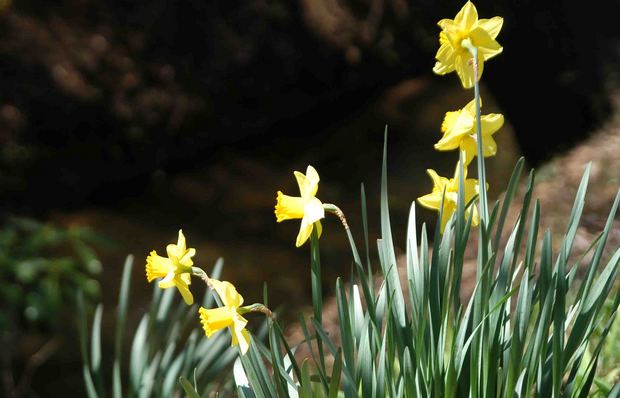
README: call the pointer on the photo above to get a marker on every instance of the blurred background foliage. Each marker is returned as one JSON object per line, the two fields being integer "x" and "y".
{"x": 137, "y": 118}
{"x": 41, "y": 268}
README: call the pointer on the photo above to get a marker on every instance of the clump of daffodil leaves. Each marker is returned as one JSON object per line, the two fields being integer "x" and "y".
{"x": 520, "y": 334}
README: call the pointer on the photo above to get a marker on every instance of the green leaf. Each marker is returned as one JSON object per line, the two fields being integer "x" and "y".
{"x": 386, "y": 245}
{"x": 82, "y": 328}
{"x": 188, "y": 388}
{"x": 139, "y": 354}
{"x": 121, "y": 315}
{"x": 334, "y": 385}
{"x": 95, "y": 348}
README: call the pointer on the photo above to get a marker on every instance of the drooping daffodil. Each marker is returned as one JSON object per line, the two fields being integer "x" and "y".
{"x": 227, "y": 315}
{"x": 480, "y": 33}
{"x": 307, "y": 206}
{"x": 451, "y": 188}
{"x": 459, "y": 131}
{"x": 175, "y": 269}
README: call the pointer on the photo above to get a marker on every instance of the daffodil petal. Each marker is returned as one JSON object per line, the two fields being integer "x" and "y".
{"x": 489, "y": 146}
{"x": 173, "y": 252}
{"x": 471, "y": 189}
{"x": 181, "y": 241}
{"x": 227, "y": 293}
{"x": 464, "y": 70}
{"x": 446, "y": 23}
{"x": 184, "y": 290}
{"x": 305, "y": 230}
{"x": 486, "y": 45}
{"x": 313, "y": 212}
{"x": 242, "y": 339}
{"x": 167, "y": 282}
{"x": 491, "y": 25}
{"x": 186, "y": 259}
{"x": 446, "y": 52}
{"x": 438, "y": 182}
{"x": 431, "y": 201}
{"x": 472, "y": 212}
{"x": 319, "y": 228}
{"x": 448, "y": 210}
{"x": 467, "y": 16}
{"x": 491, "y": 123}
{"x": 441, "y": 69}
{"x": 455, "y": 126}
{"x": 470, "y": 108}
{"x": 308, "y": 183}
{"x": 470, "y": 148}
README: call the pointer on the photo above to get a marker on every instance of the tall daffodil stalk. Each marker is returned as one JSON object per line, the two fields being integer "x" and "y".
{"x": 177, "y": 270}
{"x": 466, "y": 42}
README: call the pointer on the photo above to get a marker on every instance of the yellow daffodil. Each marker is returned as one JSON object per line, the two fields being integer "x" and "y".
{"x": 481, "y": 33}
{"x": 307, "y": 206}
{"x": 175, "y": 269}
{"x": 226, "y": 316}
{"x": 459, "y": 131}
{"x": 451, "y": 187}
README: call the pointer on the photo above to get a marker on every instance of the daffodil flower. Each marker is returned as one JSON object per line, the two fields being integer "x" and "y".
{"x": 307, "y": 206}
{"x": 175, "y": 269}
{"x": 453, "y": 56}
{"x": 226, "y": 316}
{"x": 451, "y": 188}
{"x": 459, "y": 131}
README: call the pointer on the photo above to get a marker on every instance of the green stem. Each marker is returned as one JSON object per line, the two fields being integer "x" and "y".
{"x": 256, "y": 307}
{"x": 199, "y": 272}
{"x": 366, "y": 278}
{"x": 482, "y": 178}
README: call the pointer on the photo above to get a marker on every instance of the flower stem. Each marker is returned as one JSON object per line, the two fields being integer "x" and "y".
{"x": 199, "y": 272}
{"x": 256, "y": 307}
{"x": 366, "y": 278}
{"x": 482, "y": 178}
{"x": 331, "y": 208}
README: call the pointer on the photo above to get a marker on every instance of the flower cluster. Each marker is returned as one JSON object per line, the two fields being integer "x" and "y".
{"x": 177, "y": 270}
{"x": 462, "y": 39}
